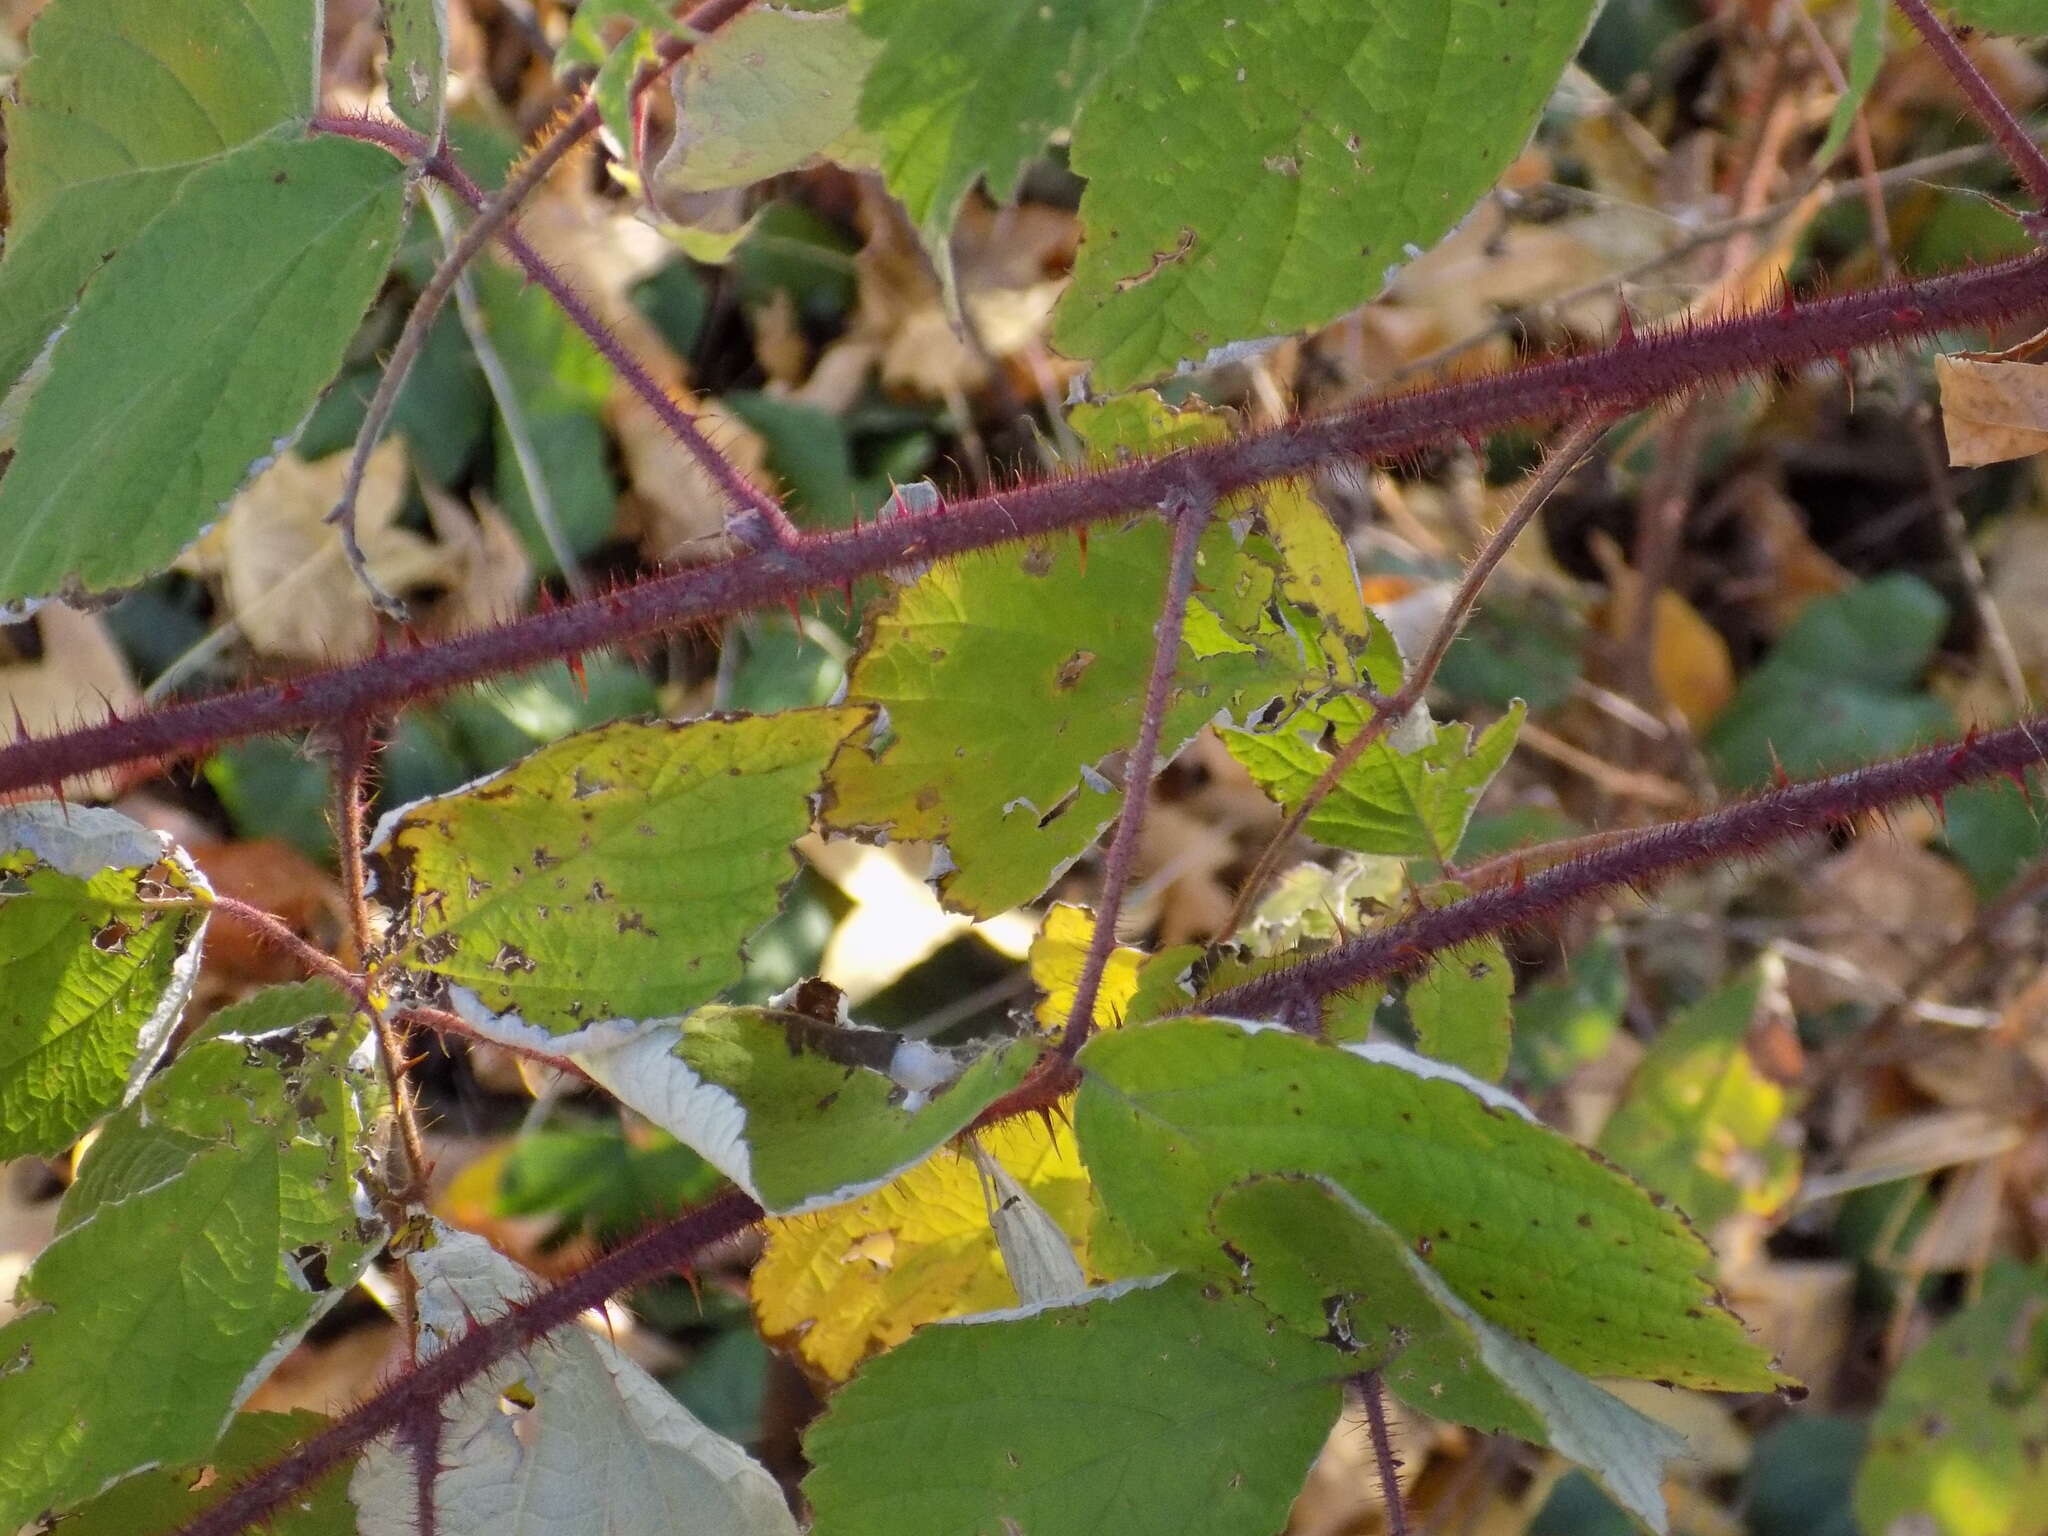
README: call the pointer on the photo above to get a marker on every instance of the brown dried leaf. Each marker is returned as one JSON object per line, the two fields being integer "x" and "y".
{"x": 63, "y": 671}
{"x": 1992, "y": 411}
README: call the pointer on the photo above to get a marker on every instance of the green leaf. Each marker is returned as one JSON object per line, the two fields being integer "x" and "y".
{"x": 1161, "y": 1410}
{"x": 1327, "y": 1265}
{"x": 1567, "y": 1022}
{"x": 597, "y": 1443}
{"x": 1542, "y": 1239}
{"x": 602, "y": 1179}
{"x": 613, "y": 875}
{"x": 962, "y": 91}
{"x": 99, "y": 953}
{"x": 1042, "y": 654}
{"x": 167, "y": 90}
{"x": 1701, "y": 1124}
{"x": 1256, "y": 170}
{"x": 1461, "y": 1008}
{"x": 1866, "y": 52}
{"x": 194, "y": 358}
{"x": 416, "y": 78}
{"x": 562, "y": 384}
{"x": 2024, "y": 18}
{"x": 1956, "y": 1447}
{"x": 1838, "y": 688}
{"x": 211, "y": 1222}
{"x": 161, "y": 1502}
{"x": 800, "y": 1115}
{"x": 1408, "y": 804}
{"x": 763, "y": 95}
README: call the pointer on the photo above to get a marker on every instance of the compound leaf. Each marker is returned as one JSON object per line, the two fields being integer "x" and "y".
{"x": 597, "y": 1445}
{"x": 193, "y": 359}
{"x": 100, "y": 954}
{"x": 1168, "y": 1409}
{"x": 960, "y": 91}
{"x": 1413, "y": 803}
{"x": 1067, "y": 634}
{"x": 1253, "y": 170}
{"x": 612, "y": 875}
{"x": 1326, "y": 1264}
{"x": 167, "y": 90}
{"x": 1543, "y": 1240}
{"x": 211, "y": 1222}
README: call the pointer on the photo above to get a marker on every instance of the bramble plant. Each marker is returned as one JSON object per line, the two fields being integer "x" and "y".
{"x": 1230, "y": 1187}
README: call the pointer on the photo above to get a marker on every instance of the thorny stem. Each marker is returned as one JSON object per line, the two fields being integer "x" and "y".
{"x": 760, "y": 519}
{"x": 272, "y": 929}
{"x": 492, "y": 217}
{"x": 1386, "y": 1463}
{"x": 667, "y": 1248}
{"x": 1620, "y": 378}
{"x": 2028, "y": 162}
{"x": 354, "y": 756}
{"x": 1190, "y": 512}
{"x": 1640, "y": 860}
{"x": 511, "y": 411}
{"x": 1388, "y": 712}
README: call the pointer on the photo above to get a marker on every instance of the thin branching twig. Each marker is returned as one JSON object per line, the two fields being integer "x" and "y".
{"x": 1189, "y": 513}
{"x": 493, "y": 218}
{"x": 2029, "y": 164}
{"x": 1390, "y": 711}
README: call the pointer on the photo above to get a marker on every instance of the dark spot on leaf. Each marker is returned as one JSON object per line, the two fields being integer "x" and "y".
{"x": 1585, "y": 1218}
{"x": 111, "y": 938}
{"x": 1072, "y": 670}
{"x": 511, "y": 958}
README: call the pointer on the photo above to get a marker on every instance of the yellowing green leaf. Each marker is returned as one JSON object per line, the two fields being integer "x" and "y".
{"x": 1462, "y": 1008}
{"x": 763, "y": 95}
{"x": 612, "y": 875}
{"x": 1410, "y": 804}
{"x": 1955, "y": 1449}
{"x": 799, "y": 1114}
{"x": 100, "y": 928}
{"x": 210, "y": 1224}
{"x": 839, "y": 1284}
{"x": 1070, "y": 639}
{"x": 1701, "y": 1123}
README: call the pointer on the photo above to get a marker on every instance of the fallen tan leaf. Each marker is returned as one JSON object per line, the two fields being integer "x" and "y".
{"x": 1992, "y": 411}
{"x": 283, "y": 571}
{"x": 65, "y": 672}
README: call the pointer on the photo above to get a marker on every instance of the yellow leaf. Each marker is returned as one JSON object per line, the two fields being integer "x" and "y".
{"x": 1690, "y": 661}
{"x": 1057, "y": 956}
{"x": 837, "y": 1285}
{"x": 840, "y": 1284}
{"x": 1992, "y": 410}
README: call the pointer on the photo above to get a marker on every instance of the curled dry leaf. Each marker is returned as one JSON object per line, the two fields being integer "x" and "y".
{"x": 59, "y": 670}
{"x": 282, "y": 568}
{"x": 1992, "y": 410}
